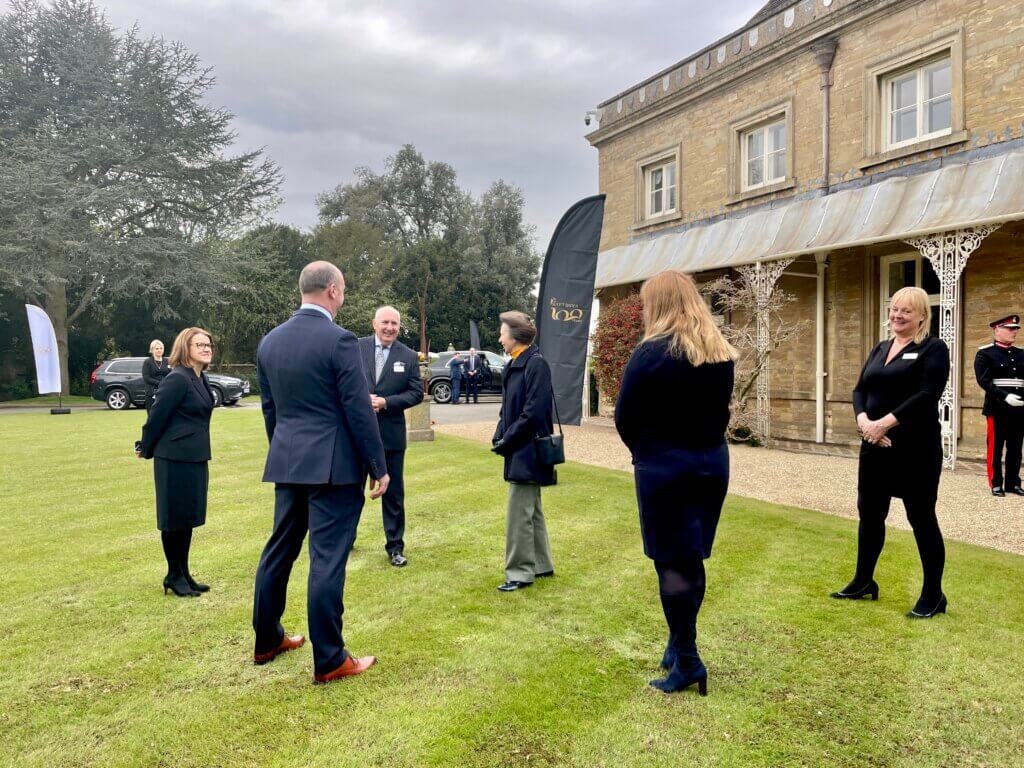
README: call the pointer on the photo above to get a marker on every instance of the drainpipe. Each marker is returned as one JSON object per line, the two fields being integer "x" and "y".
{"x": 821, "y": 261}
{"x": 824, "y": 54}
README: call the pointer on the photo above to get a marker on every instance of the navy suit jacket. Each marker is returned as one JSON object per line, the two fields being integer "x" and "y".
{"x": 178, "y": 426}
{"x": 321, "y": 427}
{"x": 400, "y": 385}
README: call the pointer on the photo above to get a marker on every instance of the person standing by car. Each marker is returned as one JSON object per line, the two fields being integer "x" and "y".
{"x": 457, "y": 366}
{"x": 474, "y": 375}
{"x": 526, "y": 413}
{"x": 393, "y": 376}
{"x": 176, "y": 436}
{"x": 154, "y": 369}
{"x": 680, "y": 457}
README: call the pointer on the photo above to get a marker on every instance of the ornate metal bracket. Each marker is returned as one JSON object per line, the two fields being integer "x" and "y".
{"x": 948, "y": 253}
{"x": 762, "y": 278}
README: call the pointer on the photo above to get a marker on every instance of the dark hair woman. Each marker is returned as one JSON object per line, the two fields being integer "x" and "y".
{"x": 154, "y": 369}
{"x": 177, "y": 437}
{"x": 896, "y": 401}
{"x": 526, "y": 409}
{"x": 680, "y": 457}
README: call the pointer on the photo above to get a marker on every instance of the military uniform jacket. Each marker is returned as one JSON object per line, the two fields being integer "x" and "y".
{"x": 1000, "y": 372}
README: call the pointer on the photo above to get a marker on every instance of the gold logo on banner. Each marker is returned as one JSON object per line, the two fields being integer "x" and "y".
{"x": 565, "y": 312}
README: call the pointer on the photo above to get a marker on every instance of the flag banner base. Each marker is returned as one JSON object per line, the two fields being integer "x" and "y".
{"x": 59, "y": 411}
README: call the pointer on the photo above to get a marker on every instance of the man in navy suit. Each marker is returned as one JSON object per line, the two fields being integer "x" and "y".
{"x": 393, "y": 377}
{"x": 324, "y": 440}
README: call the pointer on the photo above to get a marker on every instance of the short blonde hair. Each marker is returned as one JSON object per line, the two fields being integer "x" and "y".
{"x": 153, "y": 343}
{"x": 675, "y": 310}
{"x": 181, "y": 352}
{"x": 917, "y": 300}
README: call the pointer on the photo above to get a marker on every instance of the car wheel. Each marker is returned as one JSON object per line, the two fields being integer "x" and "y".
{"x": 232, "y": 402}
{"x": 441, "y": 392}
{"x": 218, "y": 396}
{"x": 118, "y": 400}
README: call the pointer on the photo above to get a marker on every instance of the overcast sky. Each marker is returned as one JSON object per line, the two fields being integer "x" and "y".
{"x": 497, "y": 89}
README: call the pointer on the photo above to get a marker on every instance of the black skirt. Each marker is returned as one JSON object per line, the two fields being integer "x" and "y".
{"x": 901, "y": 471}
{"x": 680, "y": 494}
{"x": 181, "y": 488}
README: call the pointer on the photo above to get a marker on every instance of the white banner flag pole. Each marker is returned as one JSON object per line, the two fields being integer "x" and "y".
{"x": 44, "y": 348}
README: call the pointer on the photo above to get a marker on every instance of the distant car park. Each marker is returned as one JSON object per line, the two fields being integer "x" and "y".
{"x": 119, "y": 384}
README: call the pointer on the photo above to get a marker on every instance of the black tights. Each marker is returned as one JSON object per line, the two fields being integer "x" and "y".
{"x": 871, "y": 537}
{"x": 681, "y": 585}
{"x": 176, "y": 547}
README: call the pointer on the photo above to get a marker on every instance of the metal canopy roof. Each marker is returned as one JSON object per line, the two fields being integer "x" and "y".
{"x": 989, "y": 191}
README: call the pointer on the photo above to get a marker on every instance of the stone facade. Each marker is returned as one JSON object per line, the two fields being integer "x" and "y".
{"x": 693, "y": 109}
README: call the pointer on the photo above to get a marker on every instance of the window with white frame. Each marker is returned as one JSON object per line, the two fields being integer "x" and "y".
{"x": 902, "y": 271}
{"x": 661, "y": 192}
{"x": 918, "y": 103}
{"x": 763, "y": 155}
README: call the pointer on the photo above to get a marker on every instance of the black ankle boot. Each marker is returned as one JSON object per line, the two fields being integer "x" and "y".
{"x": 678, "y": 680}
{"x": 179, "y": 585}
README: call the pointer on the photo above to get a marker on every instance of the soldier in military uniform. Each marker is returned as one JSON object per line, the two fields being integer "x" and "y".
{"x": 999, "y": 367}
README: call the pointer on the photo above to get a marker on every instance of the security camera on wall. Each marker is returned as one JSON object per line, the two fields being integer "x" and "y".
{"x": 592, "y": 115}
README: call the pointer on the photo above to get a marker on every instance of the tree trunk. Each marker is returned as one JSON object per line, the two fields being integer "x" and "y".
{"x": 422, "y": 302}
{"x": 55, "y": 303}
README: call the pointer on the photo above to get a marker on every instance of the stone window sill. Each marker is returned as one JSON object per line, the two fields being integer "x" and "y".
{"x": 753, "y": 194}
{"x": 959, "y": 137}
{"x": 655, "y": 221}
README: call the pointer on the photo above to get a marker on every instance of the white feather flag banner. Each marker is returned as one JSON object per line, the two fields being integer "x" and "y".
{"x": 44, "y": 346}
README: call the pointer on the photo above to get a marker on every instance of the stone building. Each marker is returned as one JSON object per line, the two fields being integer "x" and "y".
{"x": 841, "y": 149}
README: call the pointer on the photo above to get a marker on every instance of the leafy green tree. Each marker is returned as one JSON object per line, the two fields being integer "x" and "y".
{"x": 114, "y": 175}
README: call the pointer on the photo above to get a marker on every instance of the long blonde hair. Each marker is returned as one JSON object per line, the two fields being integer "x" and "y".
{"x": 917, "y": 300}
{"x": 675, "y": 310}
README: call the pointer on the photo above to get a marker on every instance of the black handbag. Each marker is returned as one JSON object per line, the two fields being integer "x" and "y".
{"x": 551, "y": 449}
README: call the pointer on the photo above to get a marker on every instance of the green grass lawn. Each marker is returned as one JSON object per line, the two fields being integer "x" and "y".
{"x": 47, "y": 400}
{"x": 99, "y": 668}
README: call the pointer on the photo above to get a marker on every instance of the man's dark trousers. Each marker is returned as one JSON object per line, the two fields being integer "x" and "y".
{"x": 1004, "y": 430}
{"x": 473, "y": 387}
{"x": 331, "y": 515}
{"x": 393, "y": 503}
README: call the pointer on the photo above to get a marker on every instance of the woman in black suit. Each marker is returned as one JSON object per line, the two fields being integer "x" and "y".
{"x": 896, "y": 401}
{"x": 154, "y": 369}
{"x": 672, "y": 413}
{"x": 177, "y": 436}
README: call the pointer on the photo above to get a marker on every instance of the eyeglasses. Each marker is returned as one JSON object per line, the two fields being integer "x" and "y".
{"x": 202, "y": 345}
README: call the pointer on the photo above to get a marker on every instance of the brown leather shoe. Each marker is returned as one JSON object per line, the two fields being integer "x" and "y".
{"x": 287, "y": 644}
{"x": 351, "y": 666}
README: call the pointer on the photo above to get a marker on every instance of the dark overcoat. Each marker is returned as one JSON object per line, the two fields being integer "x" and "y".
{"x": 526, "y": 413}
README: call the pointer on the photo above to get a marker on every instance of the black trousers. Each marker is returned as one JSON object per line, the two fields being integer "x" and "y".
{"x": 1004, "y": 430}
{"x": 393, "y": 503}
{"x": 330, "y": 513}
{"x": 472, "y": 385}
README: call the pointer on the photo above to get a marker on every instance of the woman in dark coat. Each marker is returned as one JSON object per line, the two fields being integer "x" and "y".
{"x": 154, "y": 369}
{"x": 177, "y": 437}
{"x": 672, "y": 413}
{"x": 527, "y": 401}
{"x": 896, "y": 401}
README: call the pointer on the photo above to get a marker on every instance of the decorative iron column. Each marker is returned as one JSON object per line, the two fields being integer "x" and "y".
{"x": 948, "y": 253}
{"x": 762, "y": 278}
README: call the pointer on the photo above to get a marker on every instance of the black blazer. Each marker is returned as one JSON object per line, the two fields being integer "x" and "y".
{"x": 178, "y": 427}
{"x": 482, "y": 372}
{"x": 526, "y": 409}
{"x": 400, "y": 385}
{"x": 665, "y": 402}
{"x": 153, "y": 373}
{"x": 316, "y": 409}
{"x": 909, "y": 388}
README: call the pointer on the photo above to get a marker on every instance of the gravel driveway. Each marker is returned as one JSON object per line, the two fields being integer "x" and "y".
{"x": 966, "y": 509}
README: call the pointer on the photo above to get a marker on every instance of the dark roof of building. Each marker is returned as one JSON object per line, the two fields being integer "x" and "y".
{"x": 770, "y": 9}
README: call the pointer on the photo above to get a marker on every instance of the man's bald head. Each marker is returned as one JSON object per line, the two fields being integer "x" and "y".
{"x": 386, "y": 322}
{"x": 322, "y": 283}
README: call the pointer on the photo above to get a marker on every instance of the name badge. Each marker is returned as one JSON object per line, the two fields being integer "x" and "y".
{"x": 910, "y": 355}
{"x": 399, "y": 368}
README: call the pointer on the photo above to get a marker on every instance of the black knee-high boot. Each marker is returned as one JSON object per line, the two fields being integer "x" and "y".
{"x": 681, "y": 586}
{"x": 176, "y": 580}
{"x": 186, "y": 545}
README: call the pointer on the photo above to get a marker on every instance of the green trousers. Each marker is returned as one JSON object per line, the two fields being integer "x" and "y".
{"x": 527, "y": 551}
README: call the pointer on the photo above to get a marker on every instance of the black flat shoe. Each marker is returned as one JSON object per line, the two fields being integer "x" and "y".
{"x": 940, "y": 608}
{"x": 512, "y": 586}
{"x": 856, "y": 594}
{"x": 399, "y": 560}
{"x": 998, "y": 492}
{"x": 1018, "y": 491}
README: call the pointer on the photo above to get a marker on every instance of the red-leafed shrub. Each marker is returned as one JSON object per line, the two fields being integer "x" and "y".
{"x": 619, "y": 328}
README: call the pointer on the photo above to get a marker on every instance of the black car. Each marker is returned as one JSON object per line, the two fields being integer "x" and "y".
{"x": 441, "y": 375}
{"x": 119, "y": 384}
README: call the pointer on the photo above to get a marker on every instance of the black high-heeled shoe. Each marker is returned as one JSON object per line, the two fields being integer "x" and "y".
{"x": 179, "y": 586}
{"x": 856, "y": 594}
{"x": 677, "y": 680}
{"x": 196, "y": 586}
{"x": 940, "y": 608}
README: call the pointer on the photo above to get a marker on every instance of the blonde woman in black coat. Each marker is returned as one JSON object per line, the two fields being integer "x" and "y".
{"x": 680, "y": 457}
{"x": 154, "y": 369}
{"x": 177, "y": 437}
